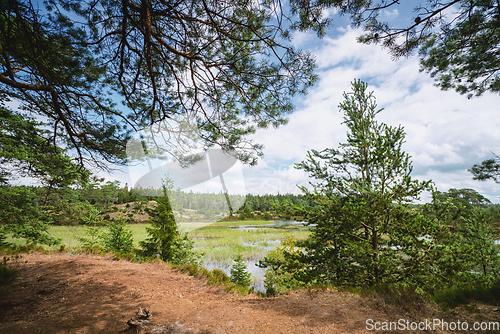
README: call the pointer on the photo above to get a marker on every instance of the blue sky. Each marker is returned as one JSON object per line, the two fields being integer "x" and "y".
{"x": 446, "y": 133}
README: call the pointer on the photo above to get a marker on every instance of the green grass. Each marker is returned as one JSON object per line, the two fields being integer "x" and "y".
{"x": 221, "y": 243}
{"x": 241, "y": 222}
{"x": 70, "y": 234}
{"x": 218, "y": 241}
{"x": 455, "y": 296}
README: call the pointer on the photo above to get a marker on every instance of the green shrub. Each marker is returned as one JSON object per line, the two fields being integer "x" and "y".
{"x": 164, "y": 239}
{"x": 239, "y": 273}
{"x": 119, "y": 238}
{"x": 183, "y": 250}
{"x": 463, "y": 295}
{"x": 92, "y": 231}
{"x": 280, "y": 273}
{"x": 248, "y": 212}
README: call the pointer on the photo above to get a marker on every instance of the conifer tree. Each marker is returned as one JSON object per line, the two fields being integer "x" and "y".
{"x": 163, "y": 231}
{"x": 365, "y": 232}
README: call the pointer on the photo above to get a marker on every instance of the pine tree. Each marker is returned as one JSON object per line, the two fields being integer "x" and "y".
{"x": 365, "y": 232}
{"x": 239, "y": 273}
{"x": 163, "y": 231}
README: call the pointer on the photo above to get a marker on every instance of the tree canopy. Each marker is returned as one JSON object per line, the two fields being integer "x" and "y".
{"x": 489, "y": 169}
{"x": 457, "y": 40}
{"x": 26, "y": 149}
{"x": 95, "y": 70}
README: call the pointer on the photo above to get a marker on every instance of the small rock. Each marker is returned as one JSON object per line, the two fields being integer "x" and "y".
{"x": 133, "y": 323}
{"x": 143, "y": 313}
{"x": 495, "y": 309}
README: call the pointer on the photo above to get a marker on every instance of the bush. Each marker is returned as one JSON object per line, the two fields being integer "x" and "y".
{"x": 92, "y": 231}
{"x": 248, "y": 212}
{"x": 280, "y": 274}
{"x": 183, "y": 250}
{"x": 118, "y": 239}
{"x": 239, "y": 273}
{"x": 164, "y": 237}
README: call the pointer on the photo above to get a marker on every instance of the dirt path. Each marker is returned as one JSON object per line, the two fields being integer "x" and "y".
{"x": 63, "y": 293}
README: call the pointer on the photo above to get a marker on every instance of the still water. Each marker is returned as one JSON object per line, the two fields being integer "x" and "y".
{"x": 256, "y": 272}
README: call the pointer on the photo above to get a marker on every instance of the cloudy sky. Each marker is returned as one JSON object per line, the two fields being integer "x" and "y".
{"x": 446, "y": 133}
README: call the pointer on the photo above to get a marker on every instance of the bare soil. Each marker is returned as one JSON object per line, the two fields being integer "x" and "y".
{"x": 65, "y": 293}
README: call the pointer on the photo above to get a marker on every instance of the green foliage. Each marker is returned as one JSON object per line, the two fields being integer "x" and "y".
{"x": 164, "y": 239}
{"x": 475, "y": 236}
{"x": 3, "y": 239}
{"x": 239, "y": 273}
{"x": 453, "y": 206}
{"x": 163, "y": 231}
{"x": 23, "y": 217}
{"x": 281, "y": 268}
{"x": 183, "y": 250}
{"x": 487, "y": 170}
{"x": 92, "y": 231}
{"x": 467, "y": 257}
{"x": 26, "y": 150}
{"x": 118, "y": 238}
{"x": 248, "y": 212}
{"x": 365, "y": 233}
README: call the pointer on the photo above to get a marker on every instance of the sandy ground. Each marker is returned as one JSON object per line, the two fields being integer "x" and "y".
{"x": 64, "y": 293}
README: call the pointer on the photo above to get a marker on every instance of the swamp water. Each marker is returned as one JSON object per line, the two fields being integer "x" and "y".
{"x": 252, "y": 241}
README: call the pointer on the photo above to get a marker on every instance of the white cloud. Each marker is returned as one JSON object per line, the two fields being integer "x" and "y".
{"x": 391, "y": 14}
{"x": 446, "y": 132}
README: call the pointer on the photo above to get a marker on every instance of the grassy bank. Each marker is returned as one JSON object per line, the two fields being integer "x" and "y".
{"x": 219, "y": 242}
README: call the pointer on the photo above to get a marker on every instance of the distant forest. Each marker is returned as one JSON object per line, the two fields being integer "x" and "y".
{"x": 70, "y": 205}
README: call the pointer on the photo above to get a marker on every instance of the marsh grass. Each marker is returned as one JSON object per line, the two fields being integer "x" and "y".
{"x": 219, "y": 242}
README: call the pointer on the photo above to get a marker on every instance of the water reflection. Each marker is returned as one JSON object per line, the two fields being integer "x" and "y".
{"x": 264, "y": 246}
